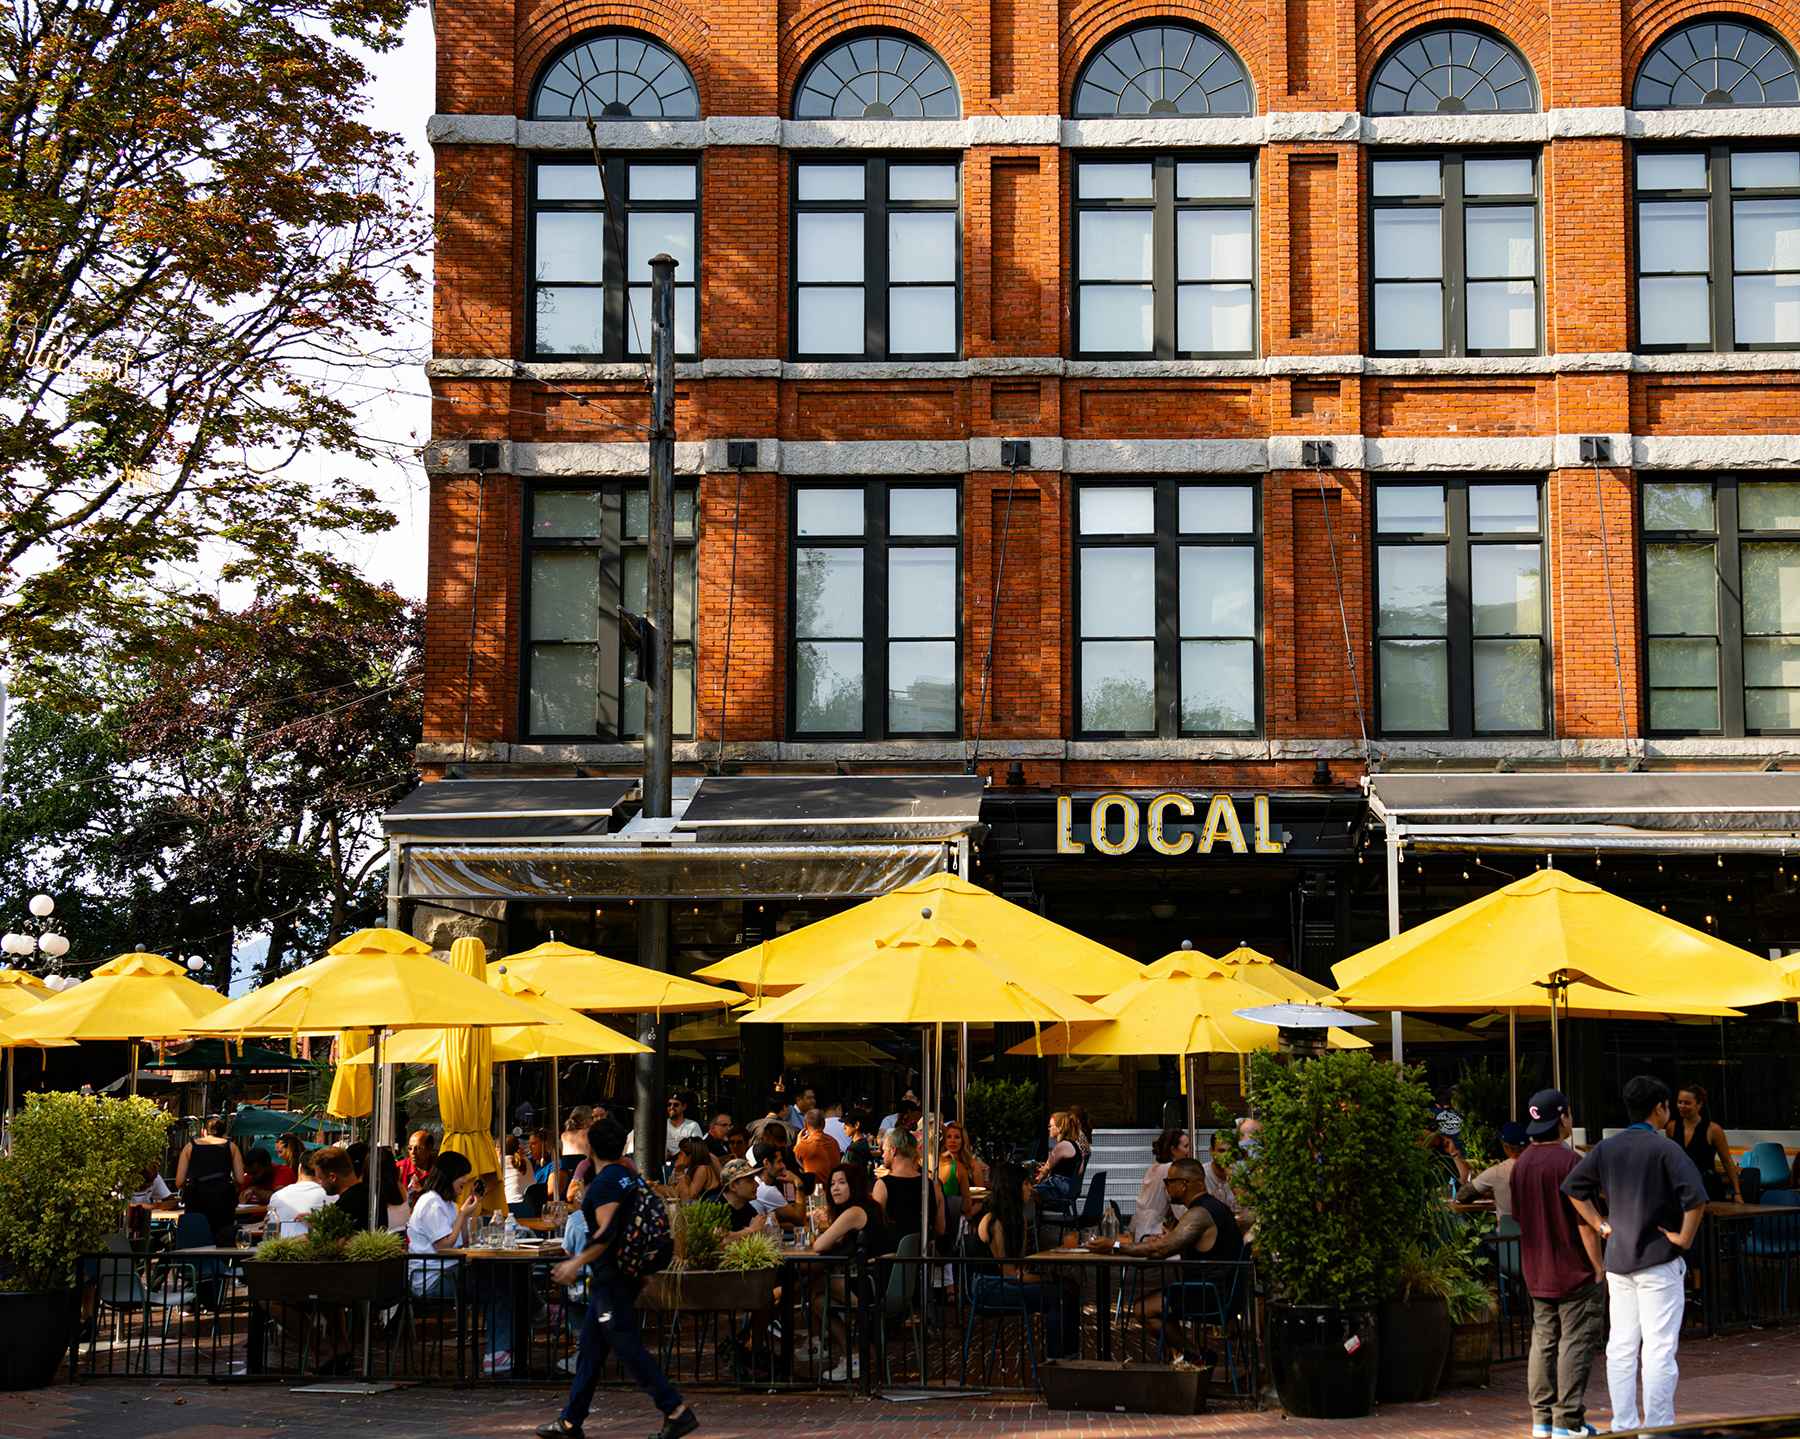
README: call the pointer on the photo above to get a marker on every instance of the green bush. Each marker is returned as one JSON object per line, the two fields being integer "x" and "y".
{"x": 373, "y": 1247}
{"x": 699, "y": 1232}
{"x": 329, "y": 1232}
{"x": 75, "y": 1160}
{"x": 291, "y": 1249}
{"x": 750, "y": 1252}
{"x": 1003, "y": 1115}
{"x": 1339, "y": 1181}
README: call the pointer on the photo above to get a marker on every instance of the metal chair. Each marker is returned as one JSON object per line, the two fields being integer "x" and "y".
{"x": 1769, "y": 1160}
{"x": 898, "y": 1301}
{"x": 984, "y": 1304}
{"x": 1093, "y": 1209}
{"x": 1204, "y": 1301}
{"x": 1776, "y": 1237}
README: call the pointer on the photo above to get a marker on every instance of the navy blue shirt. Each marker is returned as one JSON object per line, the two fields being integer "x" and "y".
{"x": 1648, "y": 1183}
{"x": 610, "y": 1186}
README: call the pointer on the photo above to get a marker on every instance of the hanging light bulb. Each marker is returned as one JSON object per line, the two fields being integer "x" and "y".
{"x": 1719, "y": 860}
{"x": 1665, "y": 908}
{"x": 1659, "y": 868}
{"x": 53, "y": 944}
{"x": 1465, "y": 874}
{"x": 1709, "y": 919}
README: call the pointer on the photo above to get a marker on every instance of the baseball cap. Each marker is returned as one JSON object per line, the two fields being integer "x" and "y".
{"x": 1512, "y": 1132}
{"x": 1546, "y": 1109}
{"x": 735, "y": 1170}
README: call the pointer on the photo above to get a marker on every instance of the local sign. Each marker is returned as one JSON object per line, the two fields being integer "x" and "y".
{"x": 1170, "y": 824}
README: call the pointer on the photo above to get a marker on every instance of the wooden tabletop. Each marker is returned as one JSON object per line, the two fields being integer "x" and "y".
{"x": 1479, "y": 1206}
{"x": 1727, "y": 1209}
{"x": 540, "y": 1225}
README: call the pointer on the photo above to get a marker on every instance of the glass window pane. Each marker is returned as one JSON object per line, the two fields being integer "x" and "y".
{"x": 1115, "y": 244}
{"x": 1409, "y": 510}
{"x": 565, "y": 595}
{"x": 1212, "y": 180}
{"x": 650, "y": 231}
{"x": 1681, "y": 590}
{"x": 828, "y": 688}
{"x": 1771, "y": 709}
{"x": 1678, "y": 505}
{"x": 1671, "y": 172}
{"x": 564, "y": 689}
{"x": 1764, "y": 169}
{"x": 1498, "y": 177}
{"x": 568, "y": 182}
{"x": 1218, "y": 686}
{"x": 921, "y": 512}
{"x": 570, "y": 246}
{"x": 1502, "y": 240}
{"x": 1214, "y": 317}
{"x": 634, "y": 580}
{"x": 1769, "y": 505}
{"x": 1674, "y": 312}
{"x": 829, "y": 246}
{"x": 1412, "y": 591}
{"x": 1766, "y": 309}
{"x": 1509, "y": 685}
{"x": 683, "y": 715}
{"x": 1684, "y": 663}
{"x": 922, "y": 246}
{"x": 1506, "y": 585}
{"x": 1118, "y": 592}
{"x": 565, "y": 514}
{"x": 1409, "y": 317}
{"x": 1772, "y": 663}
{"x": 829, "y": 182}
{"x": 1415, "y": 685}
{"x": 1405, "y": 177}
{"x": 829, "y": 512}
{"x": 828, "y": 593}
{"x": 922, "y": 320}
{"x": 1684, "y": 709}
{"x": 1118, "y": 510}
{"x": 637, "y": 514}
{"x": 831, "y": 321}
{"x": 921, "y": 593}
{"x": 1771, "y": 589}
{"x": 684, "y": 593}
{"x": 1118, "y": 685}
{"x": 637, "y": 332}
{"x": 661, "y": 182}
{"x": 569, "y": 320}
{"x": 1765, "y": 234}
{"x": 1215, "y": 509}
{"x": 1672, "y": 237}
{"x": 1503, "y": 509}
{"x": 922, "y": 687}
{"x": 1114, "y": 182}
{"x": 1218, "y": 591}
{"x": 921, "y": 182}
{"x": 1212, "y": 245}
{"x": 1117, "y": 318}
{"x": 1409, "y": 244}
{"x": 1502, "y": 315}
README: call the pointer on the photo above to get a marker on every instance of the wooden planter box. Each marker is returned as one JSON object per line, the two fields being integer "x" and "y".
{"x": 1137, "y": 1388}
{"x": 1471, "y": 1354}
{"x": 335, "y": 1281}
{"x": 709, "y": 1291}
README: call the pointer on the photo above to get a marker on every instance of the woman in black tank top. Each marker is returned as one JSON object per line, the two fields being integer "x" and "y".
{"x": 1705, "y": 1143}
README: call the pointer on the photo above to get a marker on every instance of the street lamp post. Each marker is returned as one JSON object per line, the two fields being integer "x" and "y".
{"x": 21, "y": 945}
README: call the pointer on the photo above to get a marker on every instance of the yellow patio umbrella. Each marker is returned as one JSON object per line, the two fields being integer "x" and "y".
{"x": 1790, "y": 974}
{"x": 825, "y": 1054}
{"x": 1058, "y": 957}
{"x": 21, "y": 996}
{"x": 19, "y": 990}
{"x": 564, "y": 1034}
{"x": 352, "y": 1088}
{"x": 466, "y": 1084}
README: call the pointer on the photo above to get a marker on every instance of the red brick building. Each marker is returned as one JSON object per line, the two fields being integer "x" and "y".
{"x": 1531, "y": 275}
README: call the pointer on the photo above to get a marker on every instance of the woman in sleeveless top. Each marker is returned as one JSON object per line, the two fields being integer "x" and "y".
{"x": 1705, "y": 1143}
{"x": 209, "y": 1175}
{"x": 1001, "y": 1285}
{"x": 898, "y": 1191}
{"x": 1060, "y": 1172}
{"x": 958, "y": 1171}
{"x": 856, "y": 1223}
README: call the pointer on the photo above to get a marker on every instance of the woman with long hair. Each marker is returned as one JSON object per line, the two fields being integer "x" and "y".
{"x": 444, "y": 1218}
{"x": 696, "y": 1171}
{"x": 855, "y": 1221}
{"x": 392, "y": 1193}
{"x": 1705, "y": 1143}
{"x": 209, "y": 1175}
{"x": 515, "y": 1174}
{"x": 1058, "y": 1175}
{"x": 960, "y": 1171}
{"x": 1152, "y": 1213}
{"x": 1001, "y": 1237}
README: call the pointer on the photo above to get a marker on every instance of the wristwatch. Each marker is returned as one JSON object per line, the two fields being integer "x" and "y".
{"x": 1118, "y": 1244}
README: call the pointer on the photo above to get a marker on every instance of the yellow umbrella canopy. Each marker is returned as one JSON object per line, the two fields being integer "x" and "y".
{"x": 20, "y": 991}
{"x": 466, "y": 1083}
{"x": 1790, "y": 974}
{"x": 581, "y": 979}
{"x": 565, "y": 1034}
{"x": 1547, "y": 931}
{"x": 1184, "y": 1009}
{"x": 352, "y": 1088}
{"x": 130, "y": 997}
{"x": 1257, "y": 970}
{"x": 1057, "y": 957}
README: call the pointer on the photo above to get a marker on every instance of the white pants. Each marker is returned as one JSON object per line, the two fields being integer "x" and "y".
{"x": 1646, "y": 1310}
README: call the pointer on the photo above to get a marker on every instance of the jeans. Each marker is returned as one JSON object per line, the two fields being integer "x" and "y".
{"x": 1646, "y": 1321}
{"x": 1030, "y": 1296}
{"x": 1056, "y": 1192}
{"x": 1565, "y": 1337}
{"x": 612, "y": 1328}
{"x": 488, "y": 1289}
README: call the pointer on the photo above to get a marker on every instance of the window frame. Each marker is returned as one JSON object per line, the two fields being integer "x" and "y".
{"x": 875, "y": 280}
{"x": 875, "y": 542}
{"x": 1453, "y": 204}
{"x": 615, "y": 325}
{"x": 611, "y": 546}
{"x": 1459, "y": 617}
{"x": 1165, "y": 283}
{"x": 1166, "y": 540}
{"x": 1721, "y": 265}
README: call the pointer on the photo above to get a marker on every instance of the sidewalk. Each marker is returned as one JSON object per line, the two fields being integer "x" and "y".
{"x": 1757, "y": 1373}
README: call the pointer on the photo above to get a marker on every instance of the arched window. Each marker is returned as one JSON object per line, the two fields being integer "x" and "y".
{"x": 1716, "y": 62}
{"x": 1451, "y": 70}
{"x": 1162, "y": 69}
{"x": 616, "y": 77}
{"x": 877, "y": 77}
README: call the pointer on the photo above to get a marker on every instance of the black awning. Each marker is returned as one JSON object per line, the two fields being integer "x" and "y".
{"x": 812, "y": 809}
{"x": 507, "y": 810}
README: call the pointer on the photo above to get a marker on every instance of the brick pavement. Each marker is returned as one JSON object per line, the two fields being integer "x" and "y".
{"x": 1756, "y": 1373}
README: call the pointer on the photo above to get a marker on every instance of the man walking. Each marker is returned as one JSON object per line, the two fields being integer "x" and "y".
{"x": 612, "y": 1323}
{"x": 1654, "y": 1199}
{"x": 1564, "y": 1273}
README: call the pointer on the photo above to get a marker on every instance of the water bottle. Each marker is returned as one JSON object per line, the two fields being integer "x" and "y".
{"x": 510, "y": 1239}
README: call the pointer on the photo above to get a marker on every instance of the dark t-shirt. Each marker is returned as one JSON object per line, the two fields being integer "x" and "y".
{"x": 354, "y": 1201}
{"x": 735, "y": 1217}
{"x": 1648, "y": 1184}
{"x": 610, "y": 1186}
{"x": 1554, "y": 1259}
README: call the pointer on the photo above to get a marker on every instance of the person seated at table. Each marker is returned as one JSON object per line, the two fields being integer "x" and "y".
{"x": 258, "y": 1182}
{"x": 1152, "y": 1213}
{"x": 1001, "y": 1283}
{"x": 738, "y": 1188}
{"x": 574, "y": 1240}
{"x": 421, "y": 1157}
{"x": 905, "y": 1116}
{"x": 288, "y": 1150}
{"x": 898, "y": 1192}
{"x": 718, "y": 1136}
{"x": 737, "y": 1143}
{"x": 774, "y": 1184}
{"x": 696, "y": 1171}
{"x": 862, "y": 1147}
{"x": 541, "y": 1162}
{"x": 515, "y": 1174}
{"x": 960, "y": 1170}
{"x": 1495, "y": 1182}
{"x": 155, "y": 1188}
{"x": 208, "y": 1175}
{"x": 353, "y": 1198}
{"x": 444, "y": 1218}
{"x": 1054, "y": 1183}
{"x": 289, "y": 1206}
{"x": 394, "y": 1202}
{"x": 572, "y": 1150}
{"x": 855, "y": 1222}
{"x": 816, "y": 1150}
{"x": 1705, "y": 1143}
{"x": 358, "y": 1153}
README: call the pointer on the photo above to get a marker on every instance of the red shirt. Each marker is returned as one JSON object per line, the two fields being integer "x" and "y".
{"x": 283, "y": 1176}
{"x": 412, "y": 1176}
{"x": 1555, "y": 1260}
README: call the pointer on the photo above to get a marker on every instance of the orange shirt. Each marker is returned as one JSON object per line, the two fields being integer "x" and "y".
{"x": 817, "y": 1152}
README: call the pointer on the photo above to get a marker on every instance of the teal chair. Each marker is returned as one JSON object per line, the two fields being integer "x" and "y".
{"x": 1770, "y": 1160}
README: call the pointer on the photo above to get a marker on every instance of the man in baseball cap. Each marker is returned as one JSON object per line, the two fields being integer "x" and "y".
{"x": 1563, "y": 1272}
{"x": 737, "y": 1191}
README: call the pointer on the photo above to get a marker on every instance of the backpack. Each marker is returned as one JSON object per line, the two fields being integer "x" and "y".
{"x": 644, "y": 1245}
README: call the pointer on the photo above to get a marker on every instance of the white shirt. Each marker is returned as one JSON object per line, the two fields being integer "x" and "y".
{"x": 289, "y": 1205}
{"x": 1152, "y": 1203}
{"x": 835, "y": 1128}
{"x": 433, "y": 1218}
{"x": 888, "y": 1121}
{"x": 768, "y": 1198}
{"x": 687, "y": 1129}
{"x": 152, "y": 1193}
{"x": 514, "y": 1180}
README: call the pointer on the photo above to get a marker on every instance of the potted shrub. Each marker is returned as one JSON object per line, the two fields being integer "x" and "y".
{"x": 1415, "y": 1327}
{"x": 333, "y": 1262}
{"x": 62, "y": 1193}
{"x": 1471, "y": 1305}
{"x": 714, "y": 1271}
{"x": 1335, "y": 1183}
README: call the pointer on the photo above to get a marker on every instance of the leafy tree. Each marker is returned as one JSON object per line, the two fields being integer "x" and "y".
{"x": 195, "y": 226}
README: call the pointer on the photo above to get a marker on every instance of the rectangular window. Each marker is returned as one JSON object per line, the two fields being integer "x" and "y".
{"x": 1722, "y": 605}
{"x": 877, "y": 260}
{"x": 586, "y": 558}
{"x": 877, "y": 610}
{"x": 1718, "y": 249}
{"x": 1168, "y": 608}
{"x": 590, "y": 285}
{"x": 1165, "y": 255}
{"x": 1460, "y": 636}
{"x": 1455, "y": 254}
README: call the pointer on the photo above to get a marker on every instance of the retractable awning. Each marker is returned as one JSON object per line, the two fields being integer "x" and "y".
{"x": 1661, "y": 811}
{"x": 512, "y": 810}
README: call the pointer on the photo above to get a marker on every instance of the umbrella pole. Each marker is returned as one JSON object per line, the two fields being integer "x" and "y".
{"x": 372, "y": 1177}
{"x": 1193, "y": 1105}
{"x": 134, "y": 1066}
{"x": 928, "y": 1169}
{"x": 9, "y": 1098}
{"x": 962, "y": 1073}
{"x": 1512, "y": 1058}
{"x": 1393, "y": 909}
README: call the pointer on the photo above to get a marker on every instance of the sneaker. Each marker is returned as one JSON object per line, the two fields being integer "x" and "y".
{"x": 564, "y": 1366}
{"x": 675, "y": 1428}
{"x": 499, "y": 1362}
{"x": 844, "y": 1370}
{"x": 1561, "y": 1433}
{"x": 1540, "y": 1431}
